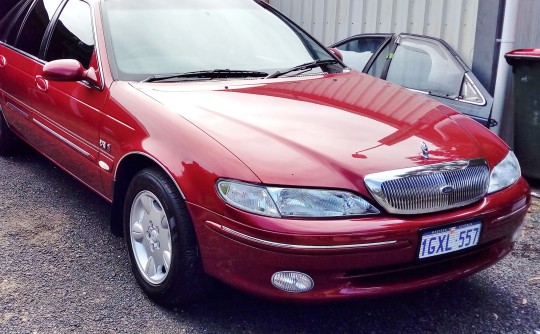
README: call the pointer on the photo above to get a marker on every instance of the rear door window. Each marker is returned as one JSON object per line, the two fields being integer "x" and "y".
{"x": 12, "y": 14}
{"x": 35, "y": 23}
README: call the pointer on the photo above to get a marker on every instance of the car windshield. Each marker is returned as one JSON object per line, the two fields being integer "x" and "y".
{"x": 164, "y": 37}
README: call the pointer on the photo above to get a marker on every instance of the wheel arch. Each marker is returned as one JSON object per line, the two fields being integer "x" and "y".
{"x": 128, "y": 166}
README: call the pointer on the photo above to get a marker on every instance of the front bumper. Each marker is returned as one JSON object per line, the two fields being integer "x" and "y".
{"x": 353, "y": 258}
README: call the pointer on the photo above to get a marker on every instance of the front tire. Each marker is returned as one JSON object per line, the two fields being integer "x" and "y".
{"x": 161, "y": 241}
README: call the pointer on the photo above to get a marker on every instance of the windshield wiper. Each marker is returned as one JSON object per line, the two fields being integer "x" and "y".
{"x": 306, "y": 66}
{"x": 210, "y": 74}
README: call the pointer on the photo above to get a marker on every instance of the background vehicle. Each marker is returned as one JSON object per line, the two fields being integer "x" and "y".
{"x": 421, "y": 63}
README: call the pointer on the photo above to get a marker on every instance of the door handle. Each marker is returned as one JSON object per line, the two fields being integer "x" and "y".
{"x": 3, "y": 61}
{"x": 42, "y": 84}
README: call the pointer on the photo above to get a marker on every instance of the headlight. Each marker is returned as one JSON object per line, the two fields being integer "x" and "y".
{"x": 293, "y": 202}
{"x": 247, "y": 197}
{"x": 506, "y": 173}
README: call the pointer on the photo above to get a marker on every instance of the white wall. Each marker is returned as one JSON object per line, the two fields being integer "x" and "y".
{"x": 333, "y": 20}
{"x": 528, "y": 28}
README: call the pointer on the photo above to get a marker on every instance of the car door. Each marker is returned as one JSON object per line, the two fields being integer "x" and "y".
{"x": 366, "y": 53}
{"x": 21, "y": 32}
{"x": 67, "y": 114}
{"x": 60, "y": 119}
{"x": 430, "y": 66}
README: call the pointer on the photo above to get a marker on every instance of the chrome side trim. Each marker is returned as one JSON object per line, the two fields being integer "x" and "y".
{"x": 32, "y": 57}
{"x": 299, "y": 247}
{"x": 18, "y": 110}
{"x": 63, "y": 139}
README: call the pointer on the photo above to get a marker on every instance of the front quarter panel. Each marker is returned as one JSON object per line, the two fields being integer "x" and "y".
{"x": 136, "y": 124}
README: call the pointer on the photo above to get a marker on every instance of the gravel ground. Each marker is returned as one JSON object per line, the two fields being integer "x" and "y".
{"x": 62, "y": 271}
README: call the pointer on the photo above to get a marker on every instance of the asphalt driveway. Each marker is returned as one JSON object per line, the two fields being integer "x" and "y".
{"x": 62, "y": 271}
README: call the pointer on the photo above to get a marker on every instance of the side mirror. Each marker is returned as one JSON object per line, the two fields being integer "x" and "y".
{"x": 336, "y": 53}
{"x": 69, "y": 70}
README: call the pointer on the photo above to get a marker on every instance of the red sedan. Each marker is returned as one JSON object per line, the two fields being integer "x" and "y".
{"x": 235, "y": 147}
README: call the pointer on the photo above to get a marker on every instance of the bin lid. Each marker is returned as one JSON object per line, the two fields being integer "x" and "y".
{"x": 522, "y": 55}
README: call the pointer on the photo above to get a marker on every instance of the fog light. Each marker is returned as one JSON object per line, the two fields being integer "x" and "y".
{"x": 292, "y": 281}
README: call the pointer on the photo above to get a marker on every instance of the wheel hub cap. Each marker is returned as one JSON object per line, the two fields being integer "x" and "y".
{"x": 150, "y": 237}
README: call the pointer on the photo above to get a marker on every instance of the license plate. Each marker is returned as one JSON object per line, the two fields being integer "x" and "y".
{"x": 448, "y": 240}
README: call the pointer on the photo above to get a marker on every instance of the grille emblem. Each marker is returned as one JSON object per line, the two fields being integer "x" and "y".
{"x": 447, "y": 190}
{"x": 425, "y": 150}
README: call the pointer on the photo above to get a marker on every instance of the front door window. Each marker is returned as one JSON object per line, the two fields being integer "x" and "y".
{"x": 73, "y": 37}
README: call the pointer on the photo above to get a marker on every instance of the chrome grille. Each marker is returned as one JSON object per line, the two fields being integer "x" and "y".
{"x": 430, "y": 188}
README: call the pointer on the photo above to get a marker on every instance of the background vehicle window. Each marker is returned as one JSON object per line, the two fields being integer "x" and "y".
{"x": 426, "y": 66}
{"x": 377, "y": 67}
{"x": 73, "y": 35}
{"x": 29, "y": 39}
{"x": 356, "y": 53}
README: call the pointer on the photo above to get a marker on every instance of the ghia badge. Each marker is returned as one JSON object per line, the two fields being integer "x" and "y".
{"x": 425, "y": 150}
{"x": 104, "y": 145}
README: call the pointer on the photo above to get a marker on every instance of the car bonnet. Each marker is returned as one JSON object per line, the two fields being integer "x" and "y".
{"x": 325, "y": 131}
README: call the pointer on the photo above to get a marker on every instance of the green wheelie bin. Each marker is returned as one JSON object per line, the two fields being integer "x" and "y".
{"x": 526, "y": 69}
